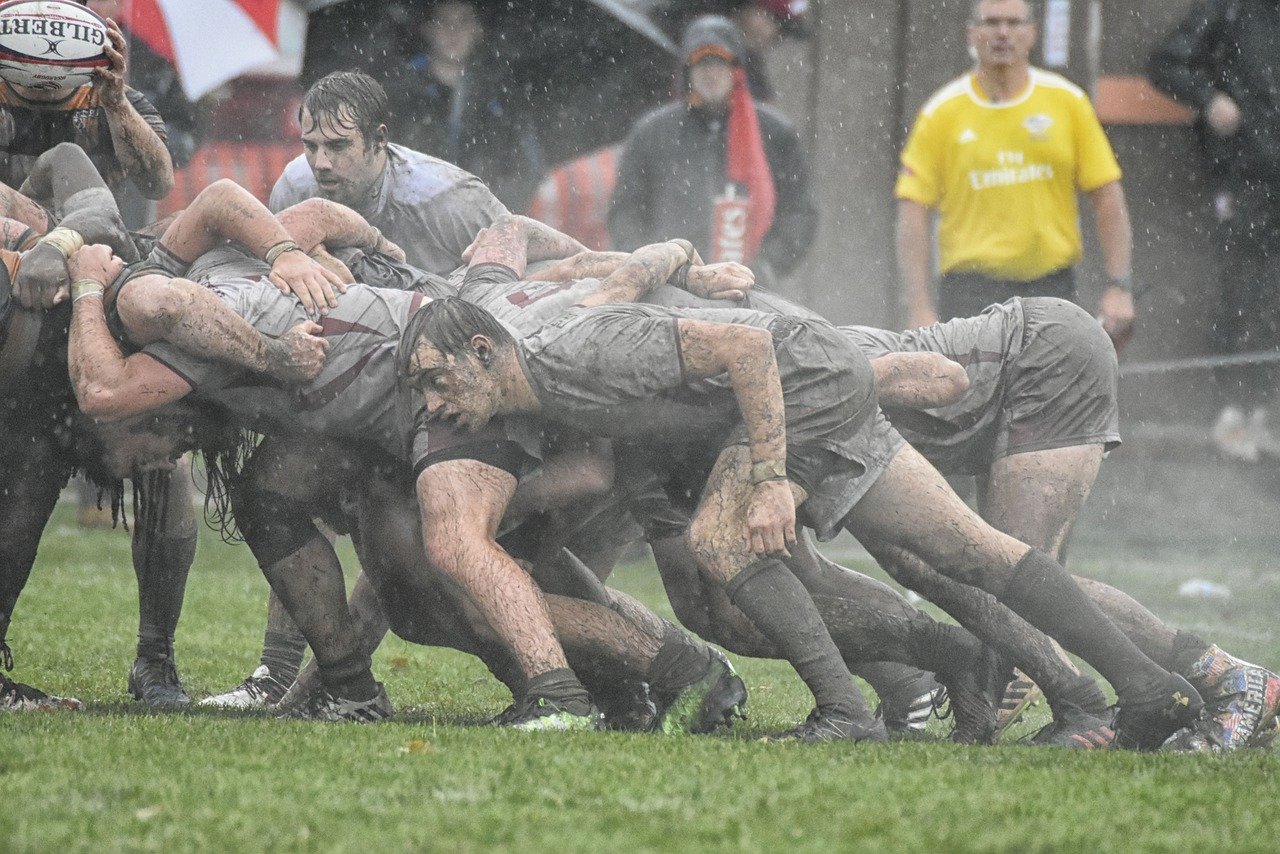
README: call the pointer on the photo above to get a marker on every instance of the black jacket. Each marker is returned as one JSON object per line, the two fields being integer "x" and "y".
{"x": 1228, "y": 46}
{"x": 673, "y": 168}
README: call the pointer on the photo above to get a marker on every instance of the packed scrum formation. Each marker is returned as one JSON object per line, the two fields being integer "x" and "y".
{"x": 493, "y": 413}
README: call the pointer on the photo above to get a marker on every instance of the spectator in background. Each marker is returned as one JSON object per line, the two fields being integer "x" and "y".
{"x": 451, "y": 101}
{"x": 1000, "y": 153}
{"x": 1221, "y": 61}
{"x": 717, "y": 168}
{"x": 763, "y": 24}
{"x": 153, "y": 76}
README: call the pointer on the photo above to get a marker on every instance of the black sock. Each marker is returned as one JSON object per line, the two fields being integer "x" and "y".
{"x": 350, "y": 679}
{"x": 943, "y": 648}
{"x": 1046, "y": 596}
{"x": 782, "y": 609}
{"x": 1082, "y": 692}
{"x": 1187, "y": 650}
{"x": 161, "y": 568}
{"x": 561, "y": 688}
{"x": 680, "y": 662}
{"x": 282, "y": 644}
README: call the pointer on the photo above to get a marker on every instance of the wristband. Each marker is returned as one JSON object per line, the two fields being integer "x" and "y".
{"x": 377, "y": 238}
{"x": 680, "y": 278}
{"x": 65, "y": 240}
{"x": 768, "y": 470}
{"x": 1124, "y": 283}
{"x": 82, "y": 288}
{"x": 274, "y": 253}
{"x": 685, "y": 246}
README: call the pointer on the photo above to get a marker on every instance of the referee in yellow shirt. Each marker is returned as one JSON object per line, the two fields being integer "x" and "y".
{"x": 1000, "y": 154}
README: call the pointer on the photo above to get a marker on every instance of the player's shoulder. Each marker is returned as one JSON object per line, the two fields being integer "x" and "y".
{"x": 958, "y": 91}
{"x": 419, "y": 178}
{"x": 1052, "y": 84}
{"x": 296, "y": 183}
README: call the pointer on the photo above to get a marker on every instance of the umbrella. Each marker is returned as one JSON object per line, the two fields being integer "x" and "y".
{"x": 211, "y": 41}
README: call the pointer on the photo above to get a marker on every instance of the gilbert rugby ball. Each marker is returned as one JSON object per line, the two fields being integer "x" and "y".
{"x": 50, "y": 44}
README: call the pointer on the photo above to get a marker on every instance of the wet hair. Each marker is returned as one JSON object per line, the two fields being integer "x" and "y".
{"x": 448, "y": 325}
{"x": 349, "y": 99}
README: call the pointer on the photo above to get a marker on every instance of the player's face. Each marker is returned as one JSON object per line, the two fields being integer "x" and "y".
{"x": 1002, "y": 33}
{"x": 456, "y": 389}
{"x": 712, "y": 80}
{"x": 346, "y": 165}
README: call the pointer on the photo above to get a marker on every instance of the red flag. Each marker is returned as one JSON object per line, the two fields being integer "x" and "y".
{"x": 748, "y": 166}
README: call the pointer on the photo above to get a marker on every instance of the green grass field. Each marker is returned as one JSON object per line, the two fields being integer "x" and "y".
{"x": 115, "y": 777}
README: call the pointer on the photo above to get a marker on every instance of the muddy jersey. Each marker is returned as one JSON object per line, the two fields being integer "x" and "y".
{"x": 617, "y": 371}
{"x": 522, "y": 305}
{"x": 355, "y": 396}
{"x": 1042, "y": 375}
{"x": 984, "y": 346}
{"x": 429, "y": 208}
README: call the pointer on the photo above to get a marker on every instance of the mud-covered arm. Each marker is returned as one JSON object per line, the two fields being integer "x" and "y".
{"x": 226, "y": 211}
{"x": 645, "y": 269}
{"x": 919, "y": 380}
{"x": 321, "y": 221}
{"x": 138, "y": 144}
{"x": 746, "y": 354}
{"x": 107, "y": 383}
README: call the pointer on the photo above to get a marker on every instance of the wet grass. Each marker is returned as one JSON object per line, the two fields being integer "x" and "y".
{"x": 117, "y": 778}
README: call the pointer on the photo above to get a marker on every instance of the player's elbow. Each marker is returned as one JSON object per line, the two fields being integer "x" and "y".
{"x": 100, "y": 401}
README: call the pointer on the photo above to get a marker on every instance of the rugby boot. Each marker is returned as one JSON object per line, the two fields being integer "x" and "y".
{"x": 627, "y": 707}
{"x": 1076, "y": 729}
{"x": 1204, "y": 736}
{"x": 538, "y": 714}
{"x": 1244, "y": 703}
{"x": 908, "y": 718}
{"x": 713, "y": 701}
{"x": 321, "y": 705}
{"x": 975, "y": 696}
{"x": 1147, "y": 725}
{"x": 154, "y": 681}
{"x": 19, "y": 697}
{"x": 819, "y": 727}
{"x": 1019, "y": 695}
{"x": 256, "y": 692}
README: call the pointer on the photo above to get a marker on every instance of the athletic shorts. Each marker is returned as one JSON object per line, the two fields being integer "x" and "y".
{"x": 1061, "y": 388}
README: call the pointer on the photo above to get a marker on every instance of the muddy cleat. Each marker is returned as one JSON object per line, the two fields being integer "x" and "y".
{"x": 626, "y": 707}
{"x": 911, "y": 721}
{"x": 257, "y": 692}
{"x": 818, "y": 728}
{"x": 320, "y": 705}
{"x": 19, "y": 697}
{"x": 154, "y": 681}
{"x": 1244, "y": 702}
{"x": 541, "y": 715}
{"x": 1204, "y": 737}
{"x": 1146, "y": 726}
{"x": 1076, "y": 729}
{"x": 1019, "y": 695}
{"x": 975, "y": 695}
{"x": 713, "y": 701}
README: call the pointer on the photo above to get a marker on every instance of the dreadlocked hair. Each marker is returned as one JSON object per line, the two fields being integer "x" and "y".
{"x": 223, "y": 464}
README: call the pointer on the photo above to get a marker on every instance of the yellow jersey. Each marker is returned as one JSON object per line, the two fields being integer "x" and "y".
{"x": 1003, "y": 176}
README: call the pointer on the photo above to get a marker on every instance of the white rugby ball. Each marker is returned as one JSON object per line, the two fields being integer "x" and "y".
{"x": 50, "y": 44}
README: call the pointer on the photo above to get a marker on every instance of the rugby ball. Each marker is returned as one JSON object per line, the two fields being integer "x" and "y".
{"x": 50, "y": 44}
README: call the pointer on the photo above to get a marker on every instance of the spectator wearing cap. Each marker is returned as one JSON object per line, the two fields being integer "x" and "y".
{"x": 716, "y": 168}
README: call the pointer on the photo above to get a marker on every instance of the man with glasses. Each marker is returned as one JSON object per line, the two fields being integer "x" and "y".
{"x": 1000, "y": 153}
